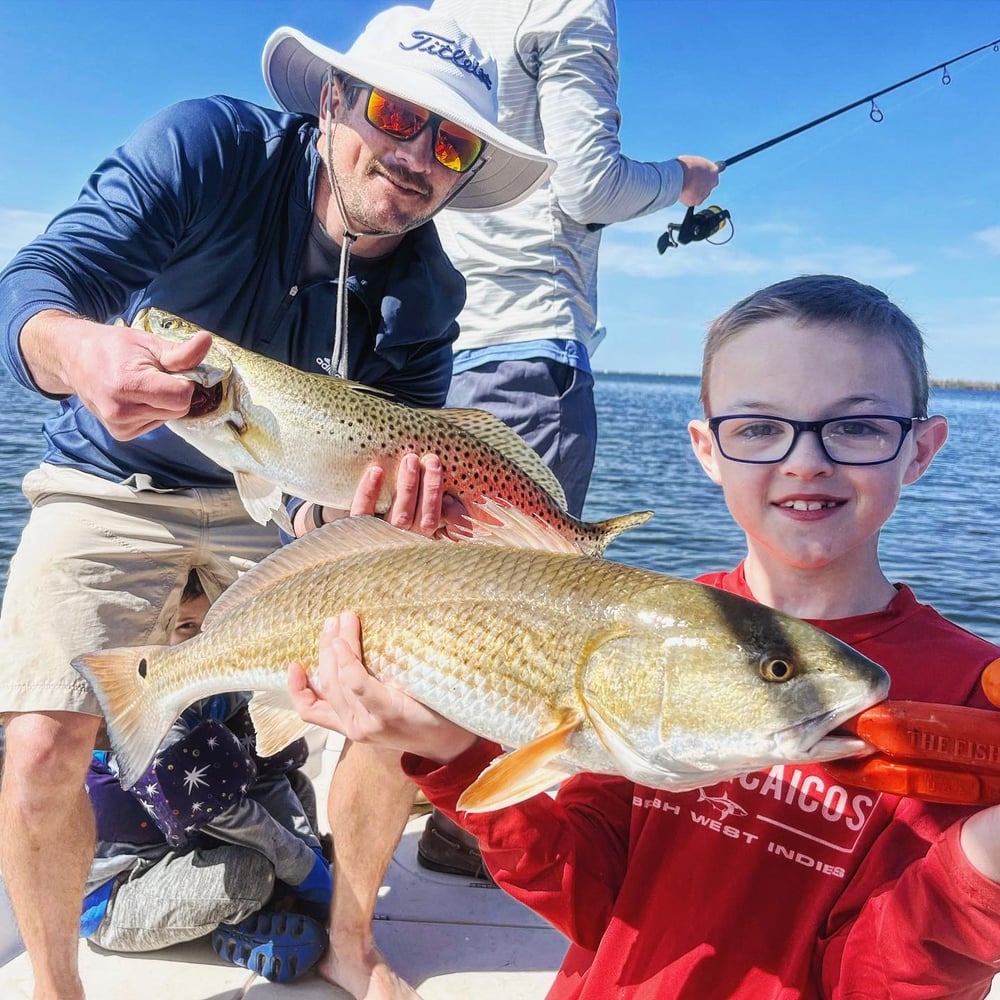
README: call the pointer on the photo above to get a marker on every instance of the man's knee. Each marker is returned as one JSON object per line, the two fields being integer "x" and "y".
{"x": 47, "y": 753}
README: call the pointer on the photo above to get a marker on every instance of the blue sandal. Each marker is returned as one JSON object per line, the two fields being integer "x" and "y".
{"x": 278, "y": 946}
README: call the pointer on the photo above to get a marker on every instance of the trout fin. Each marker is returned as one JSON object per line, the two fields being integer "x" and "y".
{"x": 510, "y": 526}
{"x": 275, "y": 722}
{"x": 492, "y": 431}
{"x": 262, "y": 499}
{"x": 522, "y": 773}
{"x": 335, "y": 541}
{"x": 137, "y": 722}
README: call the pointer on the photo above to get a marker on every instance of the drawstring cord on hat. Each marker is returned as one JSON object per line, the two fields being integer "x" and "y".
{"x": 339, "y": 357}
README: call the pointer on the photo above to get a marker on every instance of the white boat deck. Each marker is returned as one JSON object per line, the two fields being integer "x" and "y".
{"x": 451, "y": 938}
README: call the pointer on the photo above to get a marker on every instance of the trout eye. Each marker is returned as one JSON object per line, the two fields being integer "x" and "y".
{"x": 142, "y": 668}
{"x": 776, "y": 668}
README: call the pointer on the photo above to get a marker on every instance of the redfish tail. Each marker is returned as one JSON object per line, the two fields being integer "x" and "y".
{"x": 137, "y": 722}
{"x": 602, "y": 533}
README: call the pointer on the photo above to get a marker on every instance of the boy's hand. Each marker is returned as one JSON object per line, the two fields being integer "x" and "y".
{"x": 981, "y": 842}
{"x": 419, "y": 502}
{"x": 344, "y": 697}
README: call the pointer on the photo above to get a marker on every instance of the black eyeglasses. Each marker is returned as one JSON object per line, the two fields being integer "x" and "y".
{"x": 454, "y": 147}
{"x": 862, "y": 439}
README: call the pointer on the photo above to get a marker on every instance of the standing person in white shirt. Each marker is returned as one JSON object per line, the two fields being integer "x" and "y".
{"x": 530, "y": 318}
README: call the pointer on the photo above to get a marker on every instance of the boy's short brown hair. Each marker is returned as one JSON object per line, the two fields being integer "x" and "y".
{"x": 824, "y": 299}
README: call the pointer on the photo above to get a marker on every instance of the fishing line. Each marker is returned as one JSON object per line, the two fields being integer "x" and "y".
{"x": 698, "y": 226}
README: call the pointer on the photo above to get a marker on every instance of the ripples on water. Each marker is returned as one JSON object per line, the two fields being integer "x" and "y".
{"x": 942, "y": 540}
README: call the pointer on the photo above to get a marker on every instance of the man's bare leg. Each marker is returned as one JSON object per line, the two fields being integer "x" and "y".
{"x": 369, "y": 803}
{"x": 47, "y": 841}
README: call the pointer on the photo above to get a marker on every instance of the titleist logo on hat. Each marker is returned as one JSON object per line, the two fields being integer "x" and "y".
{"x": 447, "y": 49}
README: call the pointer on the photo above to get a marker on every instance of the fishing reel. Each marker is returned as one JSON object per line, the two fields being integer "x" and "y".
{"x": 696, "y": 226}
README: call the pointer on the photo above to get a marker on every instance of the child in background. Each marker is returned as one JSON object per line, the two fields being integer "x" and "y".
{"x": 213, "y": 840}
{"x": 782, "y": 883}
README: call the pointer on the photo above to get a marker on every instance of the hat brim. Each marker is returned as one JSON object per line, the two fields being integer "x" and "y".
{"x": 295, "y": 68}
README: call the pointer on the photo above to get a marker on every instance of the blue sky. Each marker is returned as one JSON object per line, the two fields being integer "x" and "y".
{"x": 911, "y": 205}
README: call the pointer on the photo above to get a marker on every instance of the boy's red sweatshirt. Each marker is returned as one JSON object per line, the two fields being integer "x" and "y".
{"x": 782, "y": 883}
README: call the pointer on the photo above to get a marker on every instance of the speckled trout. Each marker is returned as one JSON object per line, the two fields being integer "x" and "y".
{"x": 280, "y": 430}
{"x": 579, "y": 664}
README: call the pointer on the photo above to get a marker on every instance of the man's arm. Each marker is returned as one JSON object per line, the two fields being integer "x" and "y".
{"x": 122, "y": 375}
{"x": 578, "y": 104}
{"x": 129, "y": 220}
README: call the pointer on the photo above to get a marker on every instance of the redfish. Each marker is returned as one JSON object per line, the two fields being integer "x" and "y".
{"x": 578, "y": 663}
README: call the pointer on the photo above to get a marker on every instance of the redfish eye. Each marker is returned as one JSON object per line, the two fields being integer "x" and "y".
{"x": 776, "y": 668}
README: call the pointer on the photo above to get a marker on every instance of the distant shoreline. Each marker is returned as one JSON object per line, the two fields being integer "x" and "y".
{"x": 961, "y": 383}
{"x": 936, "y": 383}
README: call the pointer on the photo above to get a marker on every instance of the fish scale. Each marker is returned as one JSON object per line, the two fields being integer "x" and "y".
{"x": 579, "y": 663}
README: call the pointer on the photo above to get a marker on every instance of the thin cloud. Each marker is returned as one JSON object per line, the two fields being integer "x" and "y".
{"x": 990, "y": 238}
{"x": 873, "y": 263}
{"x": 643, "y": 260}
{"x": 18, "y": 227}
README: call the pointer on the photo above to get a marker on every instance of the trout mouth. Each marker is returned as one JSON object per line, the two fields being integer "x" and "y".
{"x": 205, "y": 399}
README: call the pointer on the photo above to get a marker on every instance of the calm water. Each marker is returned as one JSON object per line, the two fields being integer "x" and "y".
{"x": 943, "y": 540}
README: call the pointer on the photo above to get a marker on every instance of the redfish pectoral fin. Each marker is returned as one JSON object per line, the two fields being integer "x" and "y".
{"x": 522, "y": 773}
{"x": 275, "y": 722}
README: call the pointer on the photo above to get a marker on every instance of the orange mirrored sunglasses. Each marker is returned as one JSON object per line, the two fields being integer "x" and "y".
{"x": 454, "y": 147}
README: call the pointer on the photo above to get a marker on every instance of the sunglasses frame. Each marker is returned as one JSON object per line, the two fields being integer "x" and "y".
{"x": 433, "y": 120}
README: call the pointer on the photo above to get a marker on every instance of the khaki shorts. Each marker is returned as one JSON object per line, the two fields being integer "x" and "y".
{"x": 102, "y": 564}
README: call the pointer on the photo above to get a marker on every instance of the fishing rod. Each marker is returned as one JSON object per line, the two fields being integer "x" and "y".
{"x": 701, "y": 225}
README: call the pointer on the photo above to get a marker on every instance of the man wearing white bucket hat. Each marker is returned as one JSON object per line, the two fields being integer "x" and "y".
{"x": 302, "y": 239}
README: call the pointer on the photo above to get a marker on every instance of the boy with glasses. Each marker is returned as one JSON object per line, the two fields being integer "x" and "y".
{"x": 301, "y": 234}
{"x": 815, "y": 393}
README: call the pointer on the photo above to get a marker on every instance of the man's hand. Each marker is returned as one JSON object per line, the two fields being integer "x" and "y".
{"x": 122, "y": 375}
{"x": 700, "y": 178}
{"x": 344, "y": 697}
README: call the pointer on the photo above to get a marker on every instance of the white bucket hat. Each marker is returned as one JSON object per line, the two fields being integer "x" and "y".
{"x": 426, "y": 58}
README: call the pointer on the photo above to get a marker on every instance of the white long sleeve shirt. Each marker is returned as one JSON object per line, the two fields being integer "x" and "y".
{"x": 532, "y": 269}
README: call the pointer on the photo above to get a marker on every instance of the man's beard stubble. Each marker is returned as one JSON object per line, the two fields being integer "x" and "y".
{"x": 369, "y": 214}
